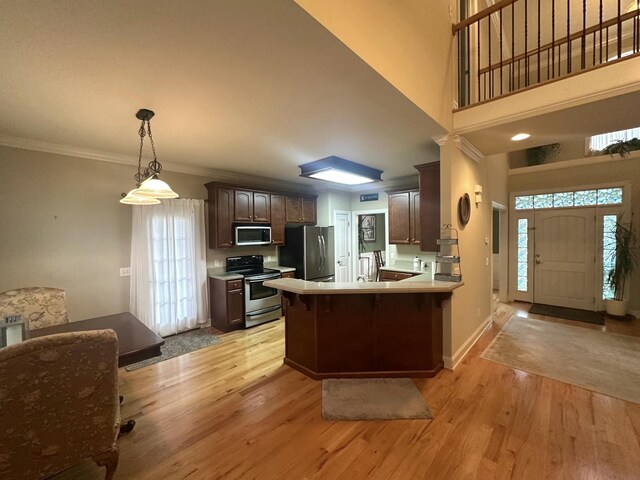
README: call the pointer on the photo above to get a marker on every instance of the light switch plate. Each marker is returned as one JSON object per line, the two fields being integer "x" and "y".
{"x": 125, "y": 271}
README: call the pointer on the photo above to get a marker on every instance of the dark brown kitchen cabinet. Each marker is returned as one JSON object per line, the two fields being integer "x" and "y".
{"x": 234, "y": 204}
{"x": 284, "y": 302}
{"x": 221, "y": 211}
{"x": 414, "y": 226}
{"x": 301, "y": 209}
{"x": 252, "y": 207}
{"x": 405, "y": 217}
{"x": 429, "y": 206}
{"x": 226, "y": 299}
{"x": 309, "y": 210}
{"x": 278, "y": 219}
{"x": 400, "y": 218}
{"x": 393, "y": 276}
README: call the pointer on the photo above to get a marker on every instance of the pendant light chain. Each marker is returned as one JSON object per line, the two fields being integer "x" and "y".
{"x": 140, "y": 176}
{"x": 154, "y": 166}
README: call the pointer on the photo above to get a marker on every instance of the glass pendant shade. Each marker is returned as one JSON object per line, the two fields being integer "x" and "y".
{"x": 132, "y": 198}
{"x": 155, "y": 188}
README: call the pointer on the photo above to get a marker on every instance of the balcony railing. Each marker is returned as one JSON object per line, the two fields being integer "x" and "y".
{"x": 519, "y": 44}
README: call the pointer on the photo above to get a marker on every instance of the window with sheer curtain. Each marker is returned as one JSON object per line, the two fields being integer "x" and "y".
{"x": 599, "y": 142}
{"x": 168, "y": 266}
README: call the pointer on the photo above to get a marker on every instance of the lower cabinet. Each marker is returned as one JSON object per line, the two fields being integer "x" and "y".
{"x": 226, "y": 299}
{"x": 392, "y": 276}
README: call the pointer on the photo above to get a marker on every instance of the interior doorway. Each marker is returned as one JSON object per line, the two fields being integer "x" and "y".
{"x": 500, "y": 251}
{"x": 371, "y": 233}
{"x": 343, "y": 245}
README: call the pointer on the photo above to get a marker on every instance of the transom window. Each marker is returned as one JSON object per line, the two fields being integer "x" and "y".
{"x": 599, "y": 142}
{"x": 578, "y": 198}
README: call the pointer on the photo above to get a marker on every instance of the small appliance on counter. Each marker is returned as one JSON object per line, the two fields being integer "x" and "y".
{"x": 310, "y": 251}
{"x": 261, "y": 304}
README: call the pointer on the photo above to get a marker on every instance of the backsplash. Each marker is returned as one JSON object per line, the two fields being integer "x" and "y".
{"x": 220, "y": 255}
{"x": 407, "y": 253}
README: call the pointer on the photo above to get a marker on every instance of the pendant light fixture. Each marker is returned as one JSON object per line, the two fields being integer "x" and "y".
{"x": 149, "y": 187}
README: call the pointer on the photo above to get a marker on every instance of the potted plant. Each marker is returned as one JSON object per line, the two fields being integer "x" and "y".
{"x": 626, "y": 261}
{"x": 622, "y": 147}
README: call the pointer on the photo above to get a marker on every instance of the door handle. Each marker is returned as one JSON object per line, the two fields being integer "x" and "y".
{"x": 320, "y": 251}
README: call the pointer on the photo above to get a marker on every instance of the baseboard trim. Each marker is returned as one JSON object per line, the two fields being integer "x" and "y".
{"x": 451, "y": 363}
{"x": 635, "y": 313}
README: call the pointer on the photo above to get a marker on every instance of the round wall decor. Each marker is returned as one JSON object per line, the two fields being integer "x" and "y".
{"x": 464, "y": 209}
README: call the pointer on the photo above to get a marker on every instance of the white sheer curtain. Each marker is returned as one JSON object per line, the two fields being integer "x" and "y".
{"x": 168, "y": 266}
{"x": 598, "y": 142}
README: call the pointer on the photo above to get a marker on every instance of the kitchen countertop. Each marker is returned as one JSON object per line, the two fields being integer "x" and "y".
{"x": 414, "y": 285}
{"x": 281, "y": 268}
{"x": 406, "y": 267}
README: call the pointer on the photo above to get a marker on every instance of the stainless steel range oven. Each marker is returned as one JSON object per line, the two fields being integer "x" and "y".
{"x": 261, "y": 304}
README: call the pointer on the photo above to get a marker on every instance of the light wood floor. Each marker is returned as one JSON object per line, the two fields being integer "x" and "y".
{"x": 234, "y": 411}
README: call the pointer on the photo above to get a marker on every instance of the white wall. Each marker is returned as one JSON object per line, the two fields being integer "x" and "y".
{"x": 331, "y": 200}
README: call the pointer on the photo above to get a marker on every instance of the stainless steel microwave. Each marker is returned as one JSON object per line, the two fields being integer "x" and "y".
{"x": 253, "y": 235}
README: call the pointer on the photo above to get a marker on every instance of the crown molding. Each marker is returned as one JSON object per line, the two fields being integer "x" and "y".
{"x": 468, "y": 148}
{"x": 214, "y": 175}
{"x": 462, "y": 144}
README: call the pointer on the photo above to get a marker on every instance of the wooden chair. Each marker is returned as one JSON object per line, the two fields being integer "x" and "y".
{"x": 39, "y": 306}
{"x": 377, "y": 255}
{"x": 59, "y": 404}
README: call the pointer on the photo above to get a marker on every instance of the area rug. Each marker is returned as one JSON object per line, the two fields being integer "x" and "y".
{"x": 179, "y": 344}
{"x": 372, "y": 399}
{"x": 604, "y": 362}
{"x": 568, "y": 313}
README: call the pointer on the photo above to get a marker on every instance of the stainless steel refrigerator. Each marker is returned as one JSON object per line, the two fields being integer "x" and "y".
{"x": 310, "y": 251}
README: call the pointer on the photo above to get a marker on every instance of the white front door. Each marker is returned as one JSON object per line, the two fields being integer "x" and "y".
{"x": 342, "y": 228}
{"x": 565, "y": 258}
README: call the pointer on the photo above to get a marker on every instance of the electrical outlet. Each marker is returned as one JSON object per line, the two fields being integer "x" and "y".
{"x": 125, "y": 271}
{"x": 268, "y": 258}
{"x": 216, "y": 263}
{"x": 392, "y": 255}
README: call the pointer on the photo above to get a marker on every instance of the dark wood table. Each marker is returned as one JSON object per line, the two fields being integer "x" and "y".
{"x": 136, "y": 342}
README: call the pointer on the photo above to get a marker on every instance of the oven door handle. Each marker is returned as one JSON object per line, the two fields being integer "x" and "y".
{"x": 263, "y": 311}
{"x": 262, "y": 279}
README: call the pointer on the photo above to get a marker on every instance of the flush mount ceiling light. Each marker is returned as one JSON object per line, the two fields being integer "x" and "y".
{"x": 520, "y": 136}
{"x": 338, "y": 170}
{"x": 149, "y": 187}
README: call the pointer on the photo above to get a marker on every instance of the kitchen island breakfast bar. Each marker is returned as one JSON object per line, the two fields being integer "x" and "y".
{"x": 364, "y": 329}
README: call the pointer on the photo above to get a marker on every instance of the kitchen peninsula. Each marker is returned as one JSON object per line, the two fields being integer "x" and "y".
{"x": 364, "y": 329}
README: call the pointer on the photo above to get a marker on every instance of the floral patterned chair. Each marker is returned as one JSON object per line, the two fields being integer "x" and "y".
{"x": 59, "y": 404}
{"x": 39, "y": 306}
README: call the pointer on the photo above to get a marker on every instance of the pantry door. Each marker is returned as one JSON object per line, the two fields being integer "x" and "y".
{"x": 565, "y": 257}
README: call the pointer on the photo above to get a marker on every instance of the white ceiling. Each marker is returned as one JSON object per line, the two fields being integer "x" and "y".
{"x": 253, "y": 87}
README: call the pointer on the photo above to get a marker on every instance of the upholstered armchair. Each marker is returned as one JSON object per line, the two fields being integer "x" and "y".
{"x": 59, "y": 404}
{"x": 39, "y": 306}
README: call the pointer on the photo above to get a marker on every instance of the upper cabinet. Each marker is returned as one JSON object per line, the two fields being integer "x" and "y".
{"x": 252, "y": 207}
{"x": 278, "y": 219}
{"x": 414, "y": 215}
{"x": 401, "y": 218}
{"x": 221, "y": 211}
{"x": 229, "y": 205}
{"x": 300, "y": 209}
{"x": 429, "y": 206}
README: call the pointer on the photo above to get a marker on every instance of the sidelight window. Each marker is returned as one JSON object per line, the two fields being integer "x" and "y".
{"x": 608, "y": 252}
{"x": 523, "y": 254}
